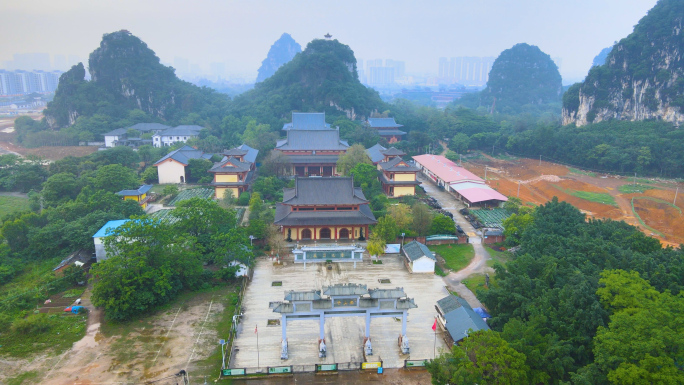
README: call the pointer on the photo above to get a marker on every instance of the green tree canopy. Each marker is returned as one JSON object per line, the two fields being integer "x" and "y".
{"x": 355, "y": 155}
{"x": 114, "y": 178}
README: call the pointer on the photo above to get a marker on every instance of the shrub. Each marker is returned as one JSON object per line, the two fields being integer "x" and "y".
{"x": 33, "y": 324}
{"x": 243, "y": 200}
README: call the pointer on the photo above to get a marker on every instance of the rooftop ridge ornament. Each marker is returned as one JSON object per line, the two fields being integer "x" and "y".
{"x": 327, "y": 36}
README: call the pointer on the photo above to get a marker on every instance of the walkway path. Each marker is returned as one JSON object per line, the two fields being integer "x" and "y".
{"x": 478, "y": 265}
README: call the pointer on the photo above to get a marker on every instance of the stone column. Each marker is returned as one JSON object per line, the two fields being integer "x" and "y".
{"x": 283, "y": 325}
{"x": 368, "y": 319}
{"x": 403, "y": 323}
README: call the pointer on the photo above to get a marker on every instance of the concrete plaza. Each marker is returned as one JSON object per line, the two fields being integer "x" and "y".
{"x": 343, "y": 335}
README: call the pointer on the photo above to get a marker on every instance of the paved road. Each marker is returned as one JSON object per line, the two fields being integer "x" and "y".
{"x": 479, "y": 263}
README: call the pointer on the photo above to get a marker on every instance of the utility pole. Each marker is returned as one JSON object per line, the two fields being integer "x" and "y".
{"x": 518, "y": 189}
{"x": 540, "y": 160}
{"x": 492, "y": 150}
{"x": 635, "y": 179}
{"x": 675, "y": 200}
{"x": 460, "y": 160}
{"x": 485, "y": 173}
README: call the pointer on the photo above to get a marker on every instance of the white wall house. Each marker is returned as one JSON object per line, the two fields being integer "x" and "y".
{"x": 171, "y": 168}
{"x": 174, "y": 135}
{"x": 419, "y": 259}
{"x": 112, "y": 136}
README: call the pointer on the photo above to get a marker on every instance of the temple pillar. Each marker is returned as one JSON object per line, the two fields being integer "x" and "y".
{"x": 403, "y": 323}
{"x": 283, "y": 325}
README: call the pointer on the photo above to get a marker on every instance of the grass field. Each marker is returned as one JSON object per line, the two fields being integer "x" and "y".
{"x": 477, "y": 282}
{"x": 9, "y": 205}
{"x": 632, "y": 188}
{"x": 456, "y": 257}
{"x": 603, "y": 198}
{"x": 581, "y": 172}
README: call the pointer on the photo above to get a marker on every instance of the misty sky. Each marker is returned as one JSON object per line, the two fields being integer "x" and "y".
{"x": 239, "y": 33}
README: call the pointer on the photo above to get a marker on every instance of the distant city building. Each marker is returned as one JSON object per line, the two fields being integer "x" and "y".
{"x": 24, "y": 82}
{"x": 377, "y": 74}
{"x": 466, "y": 70}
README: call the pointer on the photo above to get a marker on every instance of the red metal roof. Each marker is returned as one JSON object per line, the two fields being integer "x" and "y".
{"x": 445, "y": 169}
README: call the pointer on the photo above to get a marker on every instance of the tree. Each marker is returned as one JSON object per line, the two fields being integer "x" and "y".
{"x": 60, "y": 188}
{"x": 402, "y": 215}
{"x": 453, "y": 156}
{"x": 366, "y": 176}
{"x": 114, "y": 178}
{"x": 170, "y": 190}
{"x": 256, "y": 206}
{"x": 150, "y": 175}
{"x": 644, "y": 341}
{"x": 441, "y": 224}
{"x": 276, "y": 164}
{"x": 228, "y": 199}
{"x": 460, "y": 143}
{"x": 243, "y": 200}
{"x": 482, "y": 358}
{"x": 198, "y": 171}
{"x": 149, "y": 264}
{"x": 515, "y": 226}
{"x": 259, "y": 136}
{"x": 356, "y": 154}
{"x": 386, "y": 229}
{"x": 422, "y": 219}
{"x": 376, "y": 245}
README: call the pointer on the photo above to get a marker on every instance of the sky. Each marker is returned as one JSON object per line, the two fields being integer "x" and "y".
{"x": 239, "y": 33}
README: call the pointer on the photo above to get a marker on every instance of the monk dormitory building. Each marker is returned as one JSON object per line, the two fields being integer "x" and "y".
{"x": 398, "y": 178}
{"x": 320, "y": 208}
{"x": 235, "y": 171}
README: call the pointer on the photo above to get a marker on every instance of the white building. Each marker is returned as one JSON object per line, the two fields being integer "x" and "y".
{"x": 419, "y": 259}
{"x": 175, "y": 134}
{"x": 171, "y": 168}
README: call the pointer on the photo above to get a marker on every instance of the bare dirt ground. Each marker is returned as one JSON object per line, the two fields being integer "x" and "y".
{"x": 8, "y": 144}
{"x": 180, "y": 337}
{"x": 540, "y": 181}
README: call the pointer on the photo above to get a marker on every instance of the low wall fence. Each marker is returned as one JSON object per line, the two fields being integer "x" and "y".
{"x": 311, "y": 368}
{"x": 451, "y": 239}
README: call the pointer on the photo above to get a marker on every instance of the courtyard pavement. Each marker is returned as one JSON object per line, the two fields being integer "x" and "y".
{"x": 343, "y": 335}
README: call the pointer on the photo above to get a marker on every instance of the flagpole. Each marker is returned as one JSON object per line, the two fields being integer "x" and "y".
{"x": 256, "y": 330}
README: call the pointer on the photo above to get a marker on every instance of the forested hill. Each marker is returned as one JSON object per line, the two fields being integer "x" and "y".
{"x": 281, "y": 52}
{"x": 321, "y": 78}
{"x": 126, "y": 76}
{"x": 522, "y": 75}
{"x": 642, "y": 78}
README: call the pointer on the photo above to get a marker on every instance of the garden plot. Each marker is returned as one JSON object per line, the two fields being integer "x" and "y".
{"x": 204, "y": 193}
{"x": 491, "y": 218}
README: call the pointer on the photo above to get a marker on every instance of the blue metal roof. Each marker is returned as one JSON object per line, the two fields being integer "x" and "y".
{"x": 140, "y": 191}
{"x": 109, "y": 227}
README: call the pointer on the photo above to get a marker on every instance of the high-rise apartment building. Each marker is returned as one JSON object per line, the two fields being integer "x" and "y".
{"x": 465, "y": 70}
{"x": 25, "y": 82}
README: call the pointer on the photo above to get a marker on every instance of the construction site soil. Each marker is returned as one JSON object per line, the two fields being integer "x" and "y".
{"x": 596, "y": 195}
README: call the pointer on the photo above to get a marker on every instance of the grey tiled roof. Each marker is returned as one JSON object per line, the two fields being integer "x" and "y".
{"x": 117, "y": 132}
{"x": 305, "y": 159}
{"x": 460, "y": 317}
{"x": 383, "y": 122}
{"x": 375, "y": 153}
{"x": 387, "y": 293}
{"x": 415, "y": 250}
{"x": 147, "y": 127}
{"x": 391, "y": 132}
{"x": 181, "y": 131}
{"x": 231, "y": 165}
{"x": 184, "y": 154}
{"x": 312, "y": 140}
{"x": 394, "y": 164}
{"x": 248, "y": 153}
{"x": 307, "y": 121}
{"x": 285, "y": 217}
{"x": 323, "y": 191}
{"x": 345, "y": 289}
{"x": 393, "y": 151}
{"x": 309, "y": 295}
